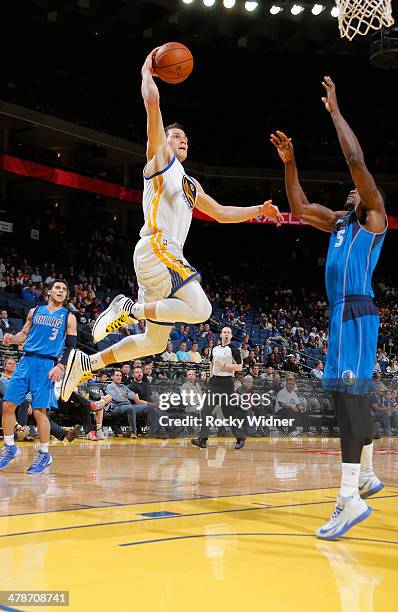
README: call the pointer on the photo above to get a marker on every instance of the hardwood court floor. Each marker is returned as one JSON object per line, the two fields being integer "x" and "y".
{"x": 161, "y": 526}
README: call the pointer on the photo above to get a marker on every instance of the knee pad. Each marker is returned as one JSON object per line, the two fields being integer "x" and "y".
{"x": 203, "y": 311}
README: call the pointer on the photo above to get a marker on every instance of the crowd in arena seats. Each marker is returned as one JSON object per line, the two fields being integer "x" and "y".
{"x": 69, "y": 98}
{"x": 281, "y": 330}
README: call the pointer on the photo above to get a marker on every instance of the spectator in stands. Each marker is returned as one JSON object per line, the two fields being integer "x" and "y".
{"x": 377, "y": 368}
{"x": 126, "y": 373}
{"x": 178, "y": 334}
{"x": 394, "y": 410}
{"x": 274, "y": 359}
{"x": 21, "y": 414}
{"x": 147, "y": 371}
{"x": 82, "y": 315}
{"x": 317, "y": 372}
{"x": 203, "y": 379}
{"x": 291, "y": 364}
{"x": 210, "y": 344}
{"x": 254, "y": 371}
{"x": 144, "y": 400}
{"x": 244, "y": 350}
{"x": 141, "y": 386}
{"x": 267, "y": 350}
{"x": 207, "y": 333}
{"x": 182, "y": 355}
{"x": 393, "y": 366}
{"x": 121, "y": 404}
{"x": 5, "y": 326}
{"x": 380, "y": 409}
{"x": 29, "y": 294}
{"x": 206, "y": 355}
{"x": 250, "y": 360}
{"x": 383, "y": 361}
{"x": 139, "y": 328}
{"x": 168, "y": 354}
{"x": 276, "y": 383}
{"x": 288, "y": 406}
{"x": 36, "y": 276}
{"x": 192, "y": 390}
{"x": 268, "y": 375}
{"x": 195, "y": 355}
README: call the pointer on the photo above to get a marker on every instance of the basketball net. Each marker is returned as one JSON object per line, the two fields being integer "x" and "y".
{"x": 359, "y": 16}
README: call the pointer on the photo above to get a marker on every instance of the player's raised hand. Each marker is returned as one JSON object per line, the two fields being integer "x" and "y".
{"x": 7, "y": 339}
{"x": 149, "y": 63}
{"x": 330, "y": 101}
{"x": 283, "y": 145}
{"x": 270, "y": 210}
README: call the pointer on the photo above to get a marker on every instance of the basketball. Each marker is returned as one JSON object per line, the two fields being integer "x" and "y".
{"x": 173, "y": 62}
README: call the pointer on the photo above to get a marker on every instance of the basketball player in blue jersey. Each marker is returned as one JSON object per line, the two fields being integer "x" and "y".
{"x": 357, "y": 235}
{"x": 169, "y": 287}
{"x": 49, "y": 334}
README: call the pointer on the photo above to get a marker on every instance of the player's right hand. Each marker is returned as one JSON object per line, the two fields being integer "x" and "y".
{"x": 283, "y": 145}
{"x": 7, "y": 339}
{"x": 149, "y": 63}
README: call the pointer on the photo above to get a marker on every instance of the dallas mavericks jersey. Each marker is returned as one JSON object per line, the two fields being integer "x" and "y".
{"x": 352, "y": 257}
{"x": 48, "y": 331}
{"x": 168, "y": 201}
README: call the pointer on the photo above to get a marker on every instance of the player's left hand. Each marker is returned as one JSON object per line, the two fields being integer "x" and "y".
{"x": 149, "y": 63}
{"x": 331, "y": 101}
{"x": 270, "y": 210}
{"x": 56, "y": 373}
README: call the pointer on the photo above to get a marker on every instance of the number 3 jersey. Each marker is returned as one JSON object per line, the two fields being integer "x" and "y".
{"x": 352, "y": 257}
{"x": 47, "y": 334}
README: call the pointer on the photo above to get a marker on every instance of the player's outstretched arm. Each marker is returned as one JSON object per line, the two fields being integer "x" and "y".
{"x": 21, "y": 336}
{"x": 317, "y": 215}
{"x": 235, "y": 214}
{"x": 155, "y": 129}
{"x": 371, "y": 198}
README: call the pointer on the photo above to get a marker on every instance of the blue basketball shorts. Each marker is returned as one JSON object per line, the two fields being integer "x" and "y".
{"x": 31, "y": 374}
{"x": 353, "y": 332}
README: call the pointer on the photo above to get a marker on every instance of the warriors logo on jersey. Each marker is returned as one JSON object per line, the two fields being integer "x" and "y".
{"x": 189, "y": 191}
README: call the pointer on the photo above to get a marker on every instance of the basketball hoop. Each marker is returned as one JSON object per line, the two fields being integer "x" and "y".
{"x": 359, "y": 16}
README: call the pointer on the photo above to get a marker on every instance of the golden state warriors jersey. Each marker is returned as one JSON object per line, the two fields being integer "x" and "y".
{"x": 168, "y": 201}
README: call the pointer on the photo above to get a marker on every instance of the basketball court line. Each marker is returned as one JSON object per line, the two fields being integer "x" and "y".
{"x": 217, "y": 535}
{"x": 158, "y": 518}
{"x": 167, "y": 501}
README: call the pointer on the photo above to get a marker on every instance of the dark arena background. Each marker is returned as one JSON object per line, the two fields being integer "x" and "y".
{"x": 131, "y": 515}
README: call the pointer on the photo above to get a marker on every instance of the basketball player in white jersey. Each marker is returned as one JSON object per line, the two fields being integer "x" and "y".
{"x": 169, "y": 287}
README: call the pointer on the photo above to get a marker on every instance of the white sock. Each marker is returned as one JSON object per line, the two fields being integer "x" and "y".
{"x": 349, "y": 479}
{"x": 138, "y": 311}
{"x": 9, "y": 441}
{"x": 96, "y": 362}
{"x": 44, "y": 447}
{"x": 98, "y": 427}
{"x": 367, "y": 461}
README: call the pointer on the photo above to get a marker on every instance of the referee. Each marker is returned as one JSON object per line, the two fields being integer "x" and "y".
{"x": 225, "y": 361}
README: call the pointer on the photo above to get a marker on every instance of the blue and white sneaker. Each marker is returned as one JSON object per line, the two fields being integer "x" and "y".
{"x": 346, "y": 514}
{"x": 41, "y": 461}
{"x": 8, "y": 454}
{"x": 370, "y": 485}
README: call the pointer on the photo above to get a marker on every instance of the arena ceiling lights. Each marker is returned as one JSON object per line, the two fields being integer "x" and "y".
{"x": 295, "y": 8}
